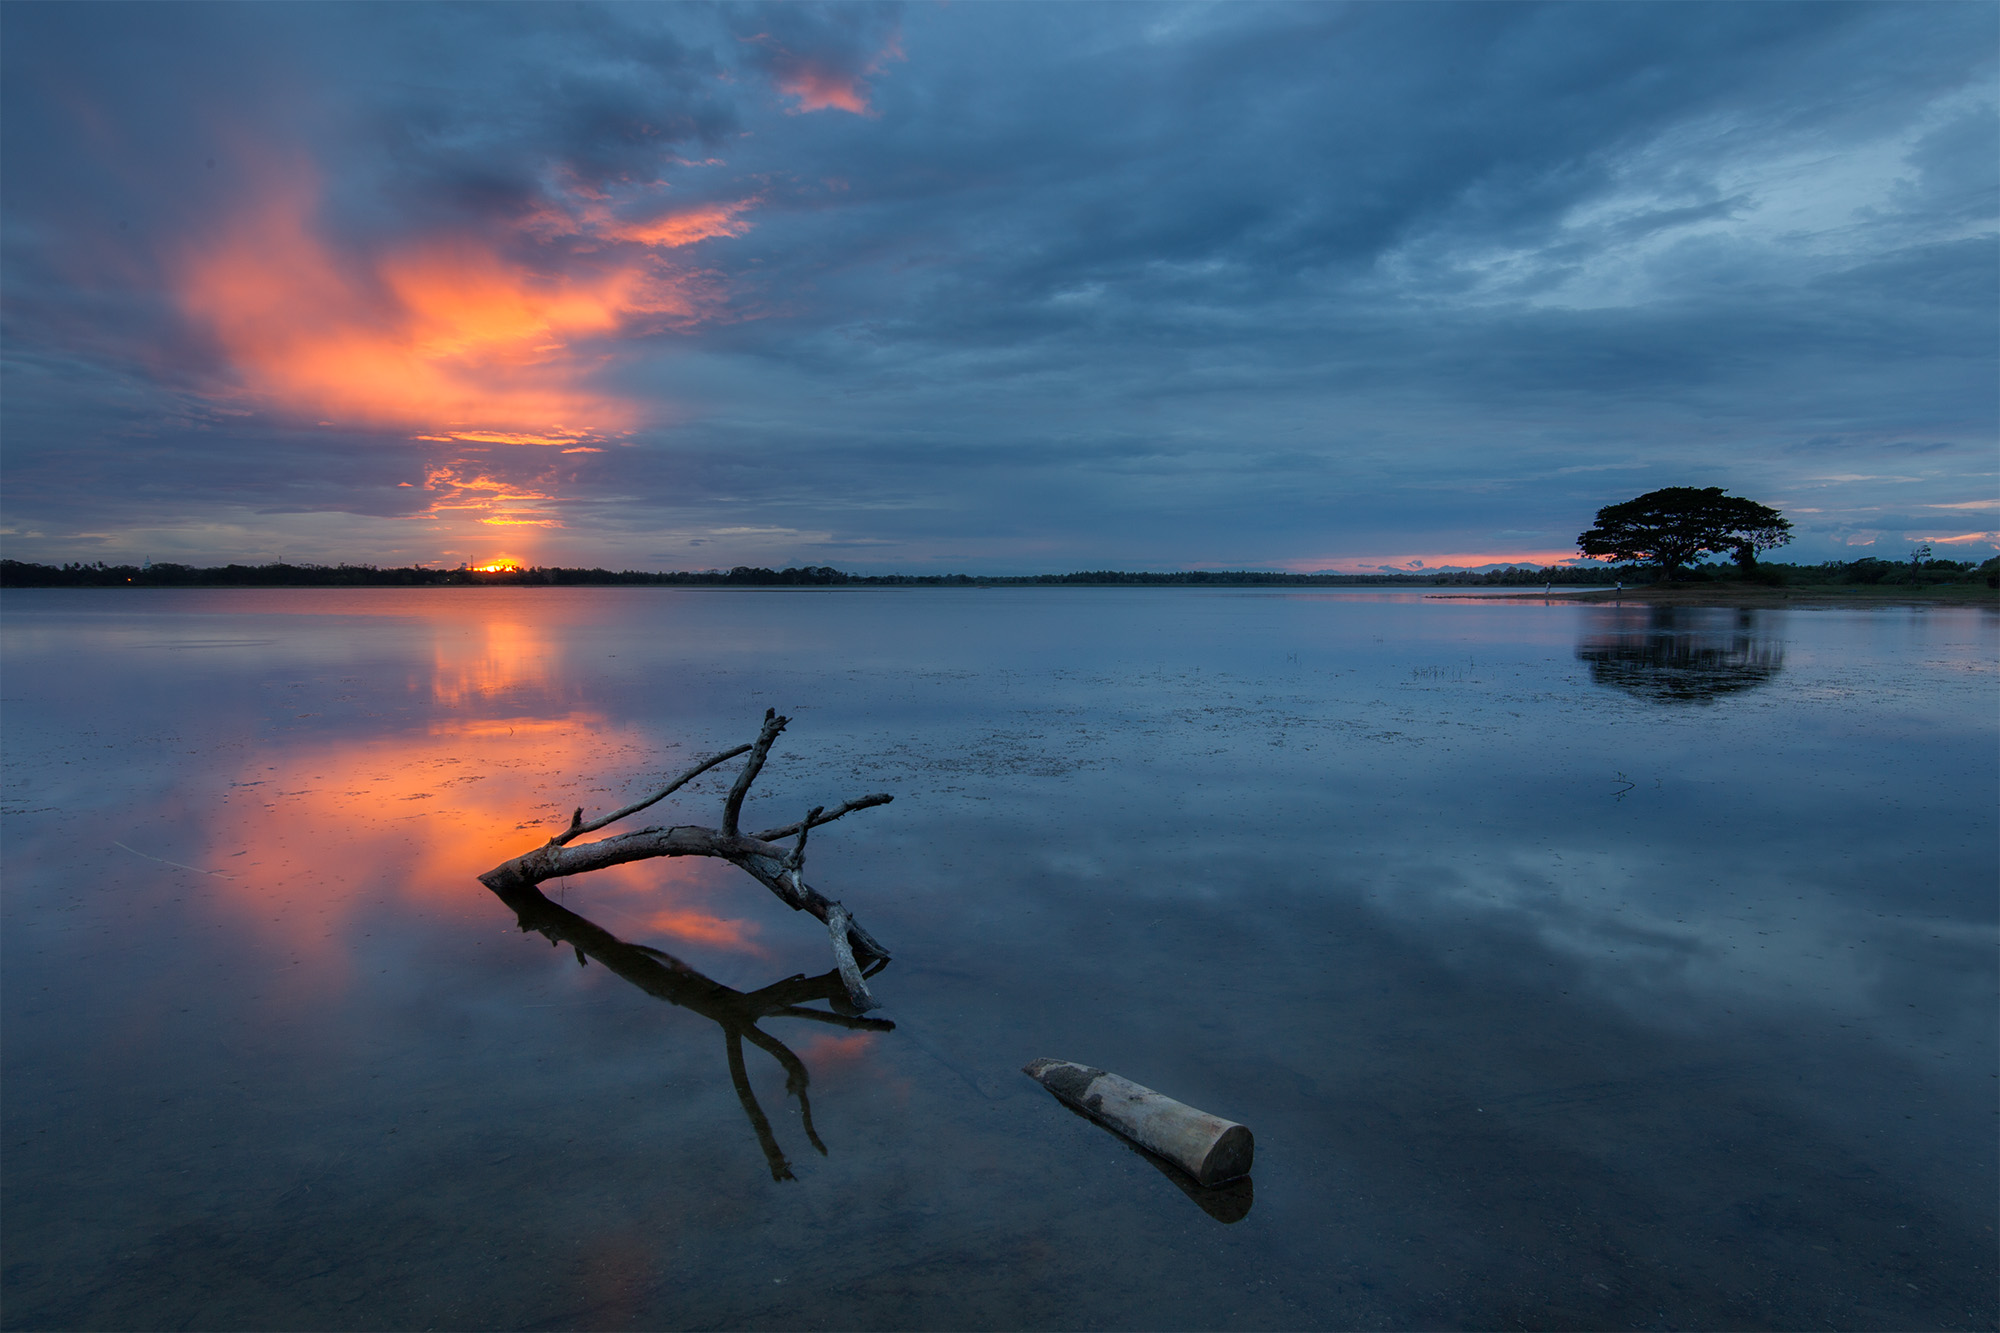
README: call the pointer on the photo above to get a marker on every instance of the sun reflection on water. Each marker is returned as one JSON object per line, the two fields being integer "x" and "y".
{"x": 321, "y": 831}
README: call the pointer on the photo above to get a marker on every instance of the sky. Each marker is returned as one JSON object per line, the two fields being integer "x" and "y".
{"x": 1000, "y": 288}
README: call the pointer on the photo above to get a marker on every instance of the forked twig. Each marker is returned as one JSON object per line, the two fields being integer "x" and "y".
{"x": 577, "y": 827}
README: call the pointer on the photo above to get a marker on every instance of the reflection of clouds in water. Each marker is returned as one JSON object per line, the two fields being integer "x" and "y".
{"x": 325, "y": 828}
{"x": 737, "y": 1013}
{"x": 1677, "y": 654}
{"x": 333, "y": 829}
{"x": 826, "y": 1049}
{"x": 503, "y": 656}
{"x": 1668, "y": 956}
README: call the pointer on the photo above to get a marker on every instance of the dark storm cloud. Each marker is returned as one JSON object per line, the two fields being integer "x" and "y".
{"x": 1067, "y": 284}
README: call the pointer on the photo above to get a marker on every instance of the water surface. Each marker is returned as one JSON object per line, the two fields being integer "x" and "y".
{"x": 1575, "y": 966}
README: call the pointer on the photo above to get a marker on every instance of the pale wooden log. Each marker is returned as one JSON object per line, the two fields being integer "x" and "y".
{"x": 1207, "y": 1147}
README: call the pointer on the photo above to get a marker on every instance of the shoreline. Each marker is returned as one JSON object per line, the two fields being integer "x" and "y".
{"x": 1754, "y": 595}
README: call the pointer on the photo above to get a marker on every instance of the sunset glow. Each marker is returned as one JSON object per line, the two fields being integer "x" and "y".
{"x": 488, "y": 501}
{"x": 463, "y": 340}
{"x": 1962, "y": 538}
{"x": 825, "y": 80}
{"x": 1429, "y": 562}
{"x": 819, "y": 88}
{"x": 450, "y": 337}
{"x": 825, "y": 1049}
{"x": 689, "y": 287}
{"x": 417, "y": 815}
{"x": 676, "y": 229}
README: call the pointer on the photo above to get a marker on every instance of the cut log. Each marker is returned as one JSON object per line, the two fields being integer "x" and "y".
{"x": 1207, "y": 1147}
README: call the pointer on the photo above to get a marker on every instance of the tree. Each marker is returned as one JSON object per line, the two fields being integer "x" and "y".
{"x": 1673, "y": 526}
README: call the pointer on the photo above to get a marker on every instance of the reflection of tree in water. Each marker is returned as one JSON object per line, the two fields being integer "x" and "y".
{"x": 665, "y": 977}
{"x": 1678, "y": 654}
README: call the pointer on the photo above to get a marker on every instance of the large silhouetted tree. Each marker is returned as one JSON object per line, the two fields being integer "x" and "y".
{"x": 1673, "y": 526}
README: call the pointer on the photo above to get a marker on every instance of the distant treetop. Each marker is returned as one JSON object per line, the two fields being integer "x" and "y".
{"x": 1673, "y": 527}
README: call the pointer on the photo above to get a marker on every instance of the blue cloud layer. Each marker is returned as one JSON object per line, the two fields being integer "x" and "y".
{"x": 1046, "y": 287}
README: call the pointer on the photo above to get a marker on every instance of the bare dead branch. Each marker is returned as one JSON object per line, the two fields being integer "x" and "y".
{"x": 778, "y": 868}
{"x": 843, "y": 953}
{"x": 797, "y": 860}
{"x": 577, "y": 827}
{"x": 784, "y": 831}
{"x": 733, "y": 807}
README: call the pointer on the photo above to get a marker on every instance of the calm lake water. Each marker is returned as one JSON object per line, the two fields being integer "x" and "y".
{"x": 1575, "y": 966}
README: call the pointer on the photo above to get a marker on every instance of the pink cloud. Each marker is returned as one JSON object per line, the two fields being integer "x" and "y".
{"x": 824, "y": 70}
{"x": 1428, "y": 561}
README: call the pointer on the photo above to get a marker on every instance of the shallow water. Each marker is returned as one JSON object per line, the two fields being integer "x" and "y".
{"x": 1575, "y": 966}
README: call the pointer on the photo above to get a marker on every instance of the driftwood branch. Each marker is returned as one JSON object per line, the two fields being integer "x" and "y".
{"x": 778, "y": 868}
{"x": 577, "y": 826}
{"x": 815, "y": 819}
{"x": 733, "y": 806}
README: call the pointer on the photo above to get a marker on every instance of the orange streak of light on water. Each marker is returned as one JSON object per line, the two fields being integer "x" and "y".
{"x": 346, "y": 828}
{"x": 824, "y": 1050}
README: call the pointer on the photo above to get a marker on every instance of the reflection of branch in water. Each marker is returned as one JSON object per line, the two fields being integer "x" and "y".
{"x": 1678, "y": 654}
{"x": 666, "y": 977}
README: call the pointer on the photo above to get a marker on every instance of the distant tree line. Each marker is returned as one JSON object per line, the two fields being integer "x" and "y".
{"x": 21, "y": 574}
{"x": 1672, "y": 529}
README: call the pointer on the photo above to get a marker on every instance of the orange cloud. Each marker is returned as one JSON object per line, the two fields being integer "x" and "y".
{"x": 681, "y": 228}
{"x": 463, "y": 340}
{"x": 1963, "y": 537}
{"x": 491, "y": 502}
{"x": 821, "y": 88}
{"x": 455, "y": 336}
{"x": 824, "y": 82}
